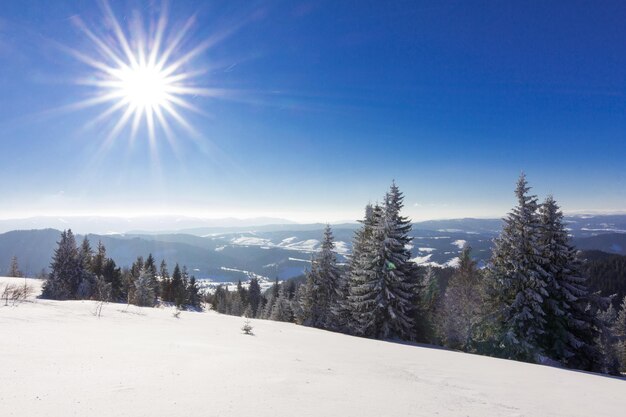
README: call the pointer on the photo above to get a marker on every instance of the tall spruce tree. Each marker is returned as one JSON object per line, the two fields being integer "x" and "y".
{"x": 358, "y": 268}
{"x": 322, "y": 284}
{"x": 570, "y": 328}
{"x": 384, "y": 288}
{"x": 517, "y": 282}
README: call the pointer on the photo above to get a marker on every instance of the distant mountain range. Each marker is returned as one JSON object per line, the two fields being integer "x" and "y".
{"x": 143, "y": 224}
{"x": 239, "y": 251}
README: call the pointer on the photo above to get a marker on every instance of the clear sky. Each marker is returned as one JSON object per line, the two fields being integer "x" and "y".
{"x": 318, "y": 106}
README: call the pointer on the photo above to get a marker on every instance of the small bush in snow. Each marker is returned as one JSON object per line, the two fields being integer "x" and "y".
{"x": 247, "y": 328}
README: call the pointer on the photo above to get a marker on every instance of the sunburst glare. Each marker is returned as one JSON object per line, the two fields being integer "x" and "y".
{"x": 142, "y": 77}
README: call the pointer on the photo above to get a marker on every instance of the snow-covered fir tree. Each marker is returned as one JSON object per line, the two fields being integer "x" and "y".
{"x": 87, "y": 284}
{"x": 570, "y": 328}
{"x": 166, "y": 282}
{"x": 607, "y": 341}
{"x": 281, "y": 310}
{"x": 428, "y": 306}
{"x": 193, "y": 293}
{"x": 65, "y": 270}
{"x": 254, "y": 296}
{"x": 144, "y": 290}
{"x": 86, "y": 253}
{"x": 271, "y": 295}
{"x": 298, "y": 300}
{"x": 178, "y": 289}
{"x": 112, "y": 275}
{"x": 517, "y": 282}
{"x": 150, "y": 269}
{"x": 98, "y": 260}
{"x": 237, "y": 307}
{"x": 461, "y": 304}
{"x": 357, "y": 269}
{"x": 619, "y": 332}
{"x": 322, "y": 284}
{"x": 384, "y": 288}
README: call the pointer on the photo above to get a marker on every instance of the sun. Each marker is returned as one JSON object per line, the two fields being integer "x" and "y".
{"x": 141, "y": 77}
{"x": 143, "y": 87}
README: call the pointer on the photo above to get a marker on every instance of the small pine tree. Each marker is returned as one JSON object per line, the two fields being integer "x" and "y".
{"x": 247, "y": 328}
{"x": 14, "y": 269}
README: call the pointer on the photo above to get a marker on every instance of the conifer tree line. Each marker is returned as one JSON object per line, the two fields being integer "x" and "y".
{"x": 81, "y": 273}
{"x": 530, "y": 303}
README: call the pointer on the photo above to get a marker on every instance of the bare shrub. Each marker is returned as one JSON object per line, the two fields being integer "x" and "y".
{"x": 103, "y": 295}
{"x": 16, "y": 294}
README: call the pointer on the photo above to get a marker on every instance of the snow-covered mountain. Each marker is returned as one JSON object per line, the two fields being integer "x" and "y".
{"x": 282, "y": 251}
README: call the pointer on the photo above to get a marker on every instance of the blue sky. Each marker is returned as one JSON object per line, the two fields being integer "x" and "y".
{"x": 328, "y": 102}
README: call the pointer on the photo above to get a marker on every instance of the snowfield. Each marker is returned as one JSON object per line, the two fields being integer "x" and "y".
{"x": 58, "y": 359}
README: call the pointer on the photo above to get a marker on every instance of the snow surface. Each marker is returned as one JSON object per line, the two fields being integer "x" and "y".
{"x": 422, "y": 260}
{"x": 427, "y": 250}
{"x": 459, "y": 243}
{"x": 58, "y": 359}
{"x": 453, "y": 263}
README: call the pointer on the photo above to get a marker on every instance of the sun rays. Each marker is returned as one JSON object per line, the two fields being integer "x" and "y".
{"x": 142, "y": 76}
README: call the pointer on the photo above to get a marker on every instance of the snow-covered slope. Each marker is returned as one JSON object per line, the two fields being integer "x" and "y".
{"x": 58, "y": 359}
